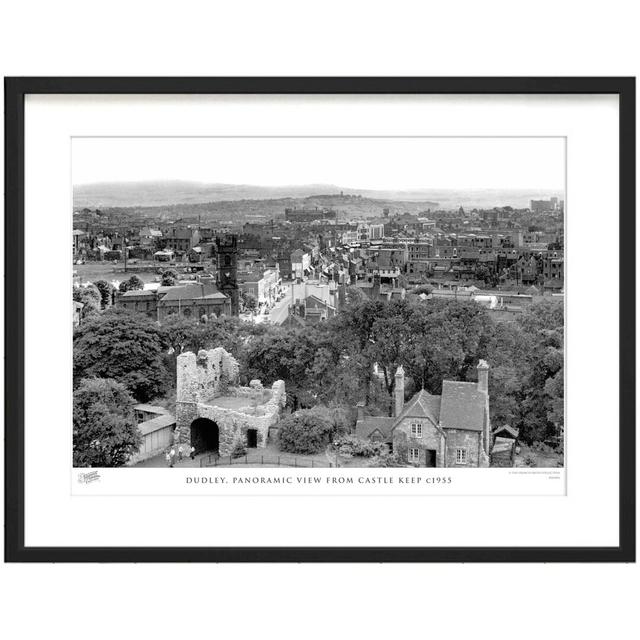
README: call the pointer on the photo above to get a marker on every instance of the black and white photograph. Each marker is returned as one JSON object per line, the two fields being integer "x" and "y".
{"x": 321, "y": 326}
{"x": 318, "y": 302}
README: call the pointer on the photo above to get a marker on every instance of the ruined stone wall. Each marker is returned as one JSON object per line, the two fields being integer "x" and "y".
{"x": 200, "y": 378}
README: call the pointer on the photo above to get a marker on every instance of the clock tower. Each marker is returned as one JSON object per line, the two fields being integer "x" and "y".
{"x": 227, "y": 276}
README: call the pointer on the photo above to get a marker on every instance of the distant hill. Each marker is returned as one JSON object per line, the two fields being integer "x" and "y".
{"x": 176, "y": 192}
{"x": 141, "y": 194}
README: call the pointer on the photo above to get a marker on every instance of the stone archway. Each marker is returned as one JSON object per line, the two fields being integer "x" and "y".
{"x": 205, "y": 435}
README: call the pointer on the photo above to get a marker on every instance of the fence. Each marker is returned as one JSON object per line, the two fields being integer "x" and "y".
{"x": 214, "y": 460}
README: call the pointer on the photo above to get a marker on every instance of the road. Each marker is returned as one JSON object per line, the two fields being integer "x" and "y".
{"x": 277, "y": 315}
{"x": 280, "y": 311}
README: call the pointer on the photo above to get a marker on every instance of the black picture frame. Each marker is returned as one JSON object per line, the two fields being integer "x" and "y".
{"x": 15, "y": 91}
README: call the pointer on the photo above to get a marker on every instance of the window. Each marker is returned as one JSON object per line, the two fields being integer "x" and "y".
{"x": 416, "y": 430}
{"x": 414, "y": 455}
{"x": 461, "y": 456}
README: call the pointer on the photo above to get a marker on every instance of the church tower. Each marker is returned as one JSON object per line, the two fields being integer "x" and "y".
{"x": 227, "y": 275}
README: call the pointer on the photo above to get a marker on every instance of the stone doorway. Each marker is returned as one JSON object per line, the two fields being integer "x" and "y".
{"x": 430, "y": 457}
{"x": 252, "y": 438}
{"x": 205, "y": 435}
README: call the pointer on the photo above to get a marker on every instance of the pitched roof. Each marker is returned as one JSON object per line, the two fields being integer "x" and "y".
{"x": 513, "y": 431}
{"x": 369, "y": 424}
{"x": 150, "y": 408}
{"x": 463, "y": 406}
{"x": 155, "y": 424}
{"x": 134, "y": 293}
{"x": 422, "y": 405}
{"x": 188, "y": 292}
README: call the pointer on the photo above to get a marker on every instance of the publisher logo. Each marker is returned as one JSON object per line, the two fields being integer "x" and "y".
{"x": 89, "y": 476}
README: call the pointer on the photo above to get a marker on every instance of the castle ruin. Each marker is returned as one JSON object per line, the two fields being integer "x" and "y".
{"x": 213, "y": 412}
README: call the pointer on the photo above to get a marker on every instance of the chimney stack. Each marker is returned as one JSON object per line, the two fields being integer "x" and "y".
{"x": 483, "y": 376}
{"x": 399, "y": 390}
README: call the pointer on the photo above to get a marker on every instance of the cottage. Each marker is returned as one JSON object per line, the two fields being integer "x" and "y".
{"x": 449, "y": 430}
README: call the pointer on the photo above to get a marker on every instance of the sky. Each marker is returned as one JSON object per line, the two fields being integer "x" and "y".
{"x": 357, "y": 163}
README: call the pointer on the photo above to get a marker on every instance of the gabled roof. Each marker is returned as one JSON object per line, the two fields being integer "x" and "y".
{"x": 189, "y": 292}
{"x": 463, "y": 406}
{"x": 514, "y": 432}
{"x": 422, "y": 405}
{"x": 369, "y": 424}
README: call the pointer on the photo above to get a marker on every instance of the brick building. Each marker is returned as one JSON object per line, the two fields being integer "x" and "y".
{"x": 190, "y": 301}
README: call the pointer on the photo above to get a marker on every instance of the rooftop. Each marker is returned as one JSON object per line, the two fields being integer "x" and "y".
{"x": 463, "y": 406}
{"x": 155, "y": 424}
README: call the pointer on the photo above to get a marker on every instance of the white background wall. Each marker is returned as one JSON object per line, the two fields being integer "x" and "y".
{"x": 324, "y": 38}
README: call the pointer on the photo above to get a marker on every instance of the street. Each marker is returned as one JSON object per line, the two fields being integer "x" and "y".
{"x": 280, "y": 311}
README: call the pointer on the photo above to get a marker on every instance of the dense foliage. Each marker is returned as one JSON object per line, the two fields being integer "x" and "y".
{"x": 90, "y": 297}
{"x": 169, "y": 278}
{"x": 352, "y": 357}
{"x": 106, "y": 293}
{"x": 125, "y": 346}
{"x": 303, "y": 432}
{"x": 349, "y": 446}
{"x": 104, "y": 430}
{"x": 132, "y": 284}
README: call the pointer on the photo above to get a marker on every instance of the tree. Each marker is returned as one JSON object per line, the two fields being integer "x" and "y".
{"x": 182, "y": 334}
{"x": 169, "y": 278}
{"x": 104, "y": 431}
{"x": 304, "y": 432}
{"x": 249, "y": 302}
{"x": 282, "y": 354}
{"x": 554, "y": 390}
{"x": 238, "y": 449}
{"x": 526, "y": 381}
{"x": 125, "y": 346}
{"x": 132, "y": 284}
{"x": 354, "y": 296}
{"x": 106, "y": 290}
{"x": 337, "y": 416}
{"x": 89, "y": 296}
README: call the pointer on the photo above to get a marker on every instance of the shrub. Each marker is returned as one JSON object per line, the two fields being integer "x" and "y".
{"x": 134, "y": 283}
{"x": 303, "y": 432}
{"x": 352, "y": 446}
{"x": 106, "y": 293}
{"x": 386, "y": 459}
{"x": 169, "y": 278}
{"x": 339, "y": 417}
{"x": 90, "y": 297}
{"x": 104, "y": 430}
{"x": 238, "y": 449}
